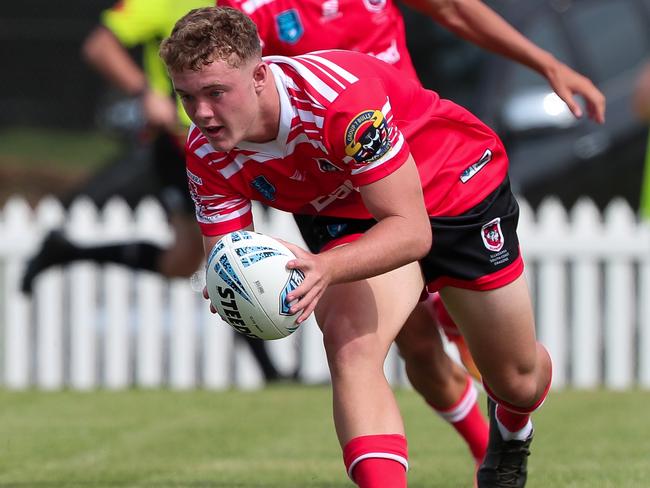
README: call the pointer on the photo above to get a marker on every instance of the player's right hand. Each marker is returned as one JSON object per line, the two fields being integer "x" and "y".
{"x": 566, "y": 83}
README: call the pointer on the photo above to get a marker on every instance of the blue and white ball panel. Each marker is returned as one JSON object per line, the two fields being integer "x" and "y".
{"x": 248, "y": 282}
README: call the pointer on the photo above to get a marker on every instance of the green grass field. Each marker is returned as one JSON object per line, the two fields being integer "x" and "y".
{"x": 65, "y": 150}
{"x": 282, "y": 437}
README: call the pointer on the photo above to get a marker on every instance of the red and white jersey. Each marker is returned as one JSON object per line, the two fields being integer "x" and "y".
{"x": 346, "y": 120}
{"x": 294, "y": 27}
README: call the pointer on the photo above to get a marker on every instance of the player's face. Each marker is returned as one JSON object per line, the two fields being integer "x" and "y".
{"x": 223, "y": 102}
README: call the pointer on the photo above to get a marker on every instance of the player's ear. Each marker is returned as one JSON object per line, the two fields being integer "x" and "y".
{"x": 261, "y": 74}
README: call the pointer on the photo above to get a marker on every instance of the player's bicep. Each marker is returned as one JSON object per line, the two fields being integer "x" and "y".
{"x": 397, "y": 194}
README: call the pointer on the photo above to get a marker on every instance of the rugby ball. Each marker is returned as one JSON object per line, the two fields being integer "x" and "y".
{"x": 248, "y": 282}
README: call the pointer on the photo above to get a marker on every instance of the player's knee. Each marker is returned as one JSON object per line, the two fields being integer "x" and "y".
{"x": 427, "y": 356}
{"x": 349, "y": 355}
{"x": 521, "y": 388}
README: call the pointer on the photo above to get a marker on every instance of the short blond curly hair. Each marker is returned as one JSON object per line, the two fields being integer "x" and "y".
{"x": 207, "y": 34}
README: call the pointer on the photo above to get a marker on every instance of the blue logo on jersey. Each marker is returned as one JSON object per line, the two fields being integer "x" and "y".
{"x": 264, "y": 186}
{"x": 295, "y": 278}
{"x": 289, "y": 27}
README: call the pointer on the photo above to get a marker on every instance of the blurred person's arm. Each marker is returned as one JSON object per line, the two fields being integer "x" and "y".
{"x": 642, "y": 94}
{"x": 103, "y": 51}
{"x": 476, "y": 22}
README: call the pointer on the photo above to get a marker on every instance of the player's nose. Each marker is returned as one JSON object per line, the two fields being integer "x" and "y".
{"x": 203, "y": 110}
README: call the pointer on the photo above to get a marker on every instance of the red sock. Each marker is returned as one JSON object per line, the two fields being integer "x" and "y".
{"x": 466, "y": 417}
{"x": 512, "y": 417}
{"x": 377, "y": 461}
{"x": 512, "y": 421}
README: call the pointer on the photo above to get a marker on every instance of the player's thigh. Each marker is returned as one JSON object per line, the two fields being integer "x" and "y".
{"x": 498, "y": 326}
{"x": 420, "y": 334}
{"x": 371, "y": 310}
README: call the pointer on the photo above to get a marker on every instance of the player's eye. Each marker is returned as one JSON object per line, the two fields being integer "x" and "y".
{"x": 216, "y": 93}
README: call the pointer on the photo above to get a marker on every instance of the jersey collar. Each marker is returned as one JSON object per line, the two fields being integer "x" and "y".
{"x": 277, "y": 147}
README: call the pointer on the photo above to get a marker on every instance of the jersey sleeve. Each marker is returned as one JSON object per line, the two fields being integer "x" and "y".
{"x": 135, "y": 21}
{"x": 219, "y": 209}
{"x": 360, "y": 130}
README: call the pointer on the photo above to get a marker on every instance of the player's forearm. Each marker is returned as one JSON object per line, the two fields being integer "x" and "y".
{"x": 104, "y": 52}
{"x": 390, "y": 244}
{"x": 476, "y": 22}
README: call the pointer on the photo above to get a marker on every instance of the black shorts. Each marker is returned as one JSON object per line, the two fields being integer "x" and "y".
{"x": 478, "y": 249}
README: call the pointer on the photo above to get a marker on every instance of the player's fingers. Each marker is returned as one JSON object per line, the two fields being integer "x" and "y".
{"x": 596, "y": 107}
{"x": 303, "y": 299}
{"x": 307, "y": 311}
{"x": 205, "y": 293}
{"x": 299, "y": 293}
{"x": 212, "y": 309}
{"x": 297, "y": 250}
{"x": 571, "y": 102}
{"x": 308, "y": 308}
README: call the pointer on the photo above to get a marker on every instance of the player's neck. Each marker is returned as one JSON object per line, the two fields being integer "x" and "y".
{"x": 269, "y": 115}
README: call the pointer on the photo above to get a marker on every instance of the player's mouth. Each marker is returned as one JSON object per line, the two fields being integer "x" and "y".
{"x": 212, "y": 130}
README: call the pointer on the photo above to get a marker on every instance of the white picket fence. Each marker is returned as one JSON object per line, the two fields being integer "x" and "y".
{"x": 90, "y": 327}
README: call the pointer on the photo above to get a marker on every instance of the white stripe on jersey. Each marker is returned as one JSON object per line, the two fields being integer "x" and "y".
{"x": 386, "y": 110}
{"x": 302, "y": 137}
{"x": 237, "y": 164}
{"x": 307, "y": 75}
{"x": 204, "y": 150}
{"x": 252, "y": 5}
{"x": 343, "y": 73}
{"x": 313, "y": 66}
{"x": 306, "y": 116}
{"x": 207, "y": 213}
{"x": 196, "y": 137}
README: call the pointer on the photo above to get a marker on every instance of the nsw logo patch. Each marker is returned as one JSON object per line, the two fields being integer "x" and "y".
{"x": 492, "y": 236}
{"x": 367, "y": 136}
{"x": 289, "y": 26}
{"x": 264, "y": 186}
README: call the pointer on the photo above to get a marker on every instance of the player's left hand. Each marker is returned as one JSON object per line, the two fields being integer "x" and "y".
{"x": 207, "y": 297}
{"x": 317, "y": 279}
{"x": 567, "y": 83}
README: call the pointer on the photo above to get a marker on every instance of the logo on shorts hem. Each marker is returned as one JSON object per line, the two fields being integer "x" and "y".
{"x": 492, "y": 235}
{"x": 470, "y": 171}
